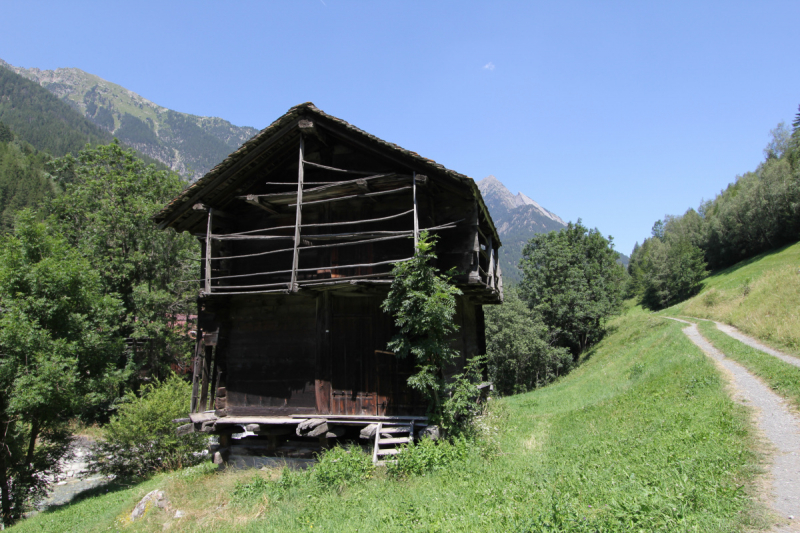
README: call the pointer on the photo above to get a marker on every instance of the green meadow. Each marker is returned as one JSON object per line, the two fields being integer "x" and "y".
{"x": 641, "y": 437}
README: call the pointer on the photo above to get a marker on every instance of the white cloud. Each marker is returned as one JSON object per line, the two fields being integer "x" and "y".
{"x": 489, "y": 66}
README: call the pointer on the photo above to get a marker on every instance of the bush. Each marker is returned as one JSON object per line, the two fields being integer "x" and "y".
{"x": 427, "y": 455}
{"x": 340, "y": 467}
{"x": 140, "y": 439}
{"x": 336, "y": 469}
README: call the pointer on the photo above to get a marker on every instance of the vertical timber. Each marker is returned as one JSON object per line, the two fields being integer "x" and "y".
{"x": 416, "y": 217}
{"x": 208, "y": 253}
{"x": 298, "y": 218}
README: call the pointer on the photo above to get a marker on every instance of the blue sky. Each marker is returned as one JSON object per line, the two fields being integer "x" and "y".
{"x": 613, "y": 112}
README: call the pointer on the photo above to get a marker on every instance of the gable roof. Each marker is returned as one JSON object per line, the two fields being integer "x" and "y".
{"x": 284, "y": 125}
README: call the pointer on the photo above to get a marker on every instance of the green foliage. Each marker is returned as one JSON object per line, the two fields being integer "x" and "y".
{"x": 668, "y": 269}
{"x": 759, "y": 211}
{"x": 426, "y": 456}
{"x": 572, "y": 280}
{"x": 23, "y": 180}
{"x": 519, "y": 347}
{"x": 58, "y": 335}
{"x": 40, "y": 118}
{"x": 423, "y": 304}
{"x": 105, "y": 211}
{"x": 335, "y": 470}
{"x": 596, "y": 451}
{"x": 140, "y": 438}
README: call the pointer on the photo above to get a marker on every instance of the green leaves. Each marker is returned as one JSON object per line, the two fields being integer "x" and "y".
{"x": 572, "y": 280}
{"x": 423, "y": 304}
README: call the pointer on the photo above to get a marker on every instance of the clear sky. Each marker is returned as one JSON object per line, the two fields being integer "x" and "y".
{"x": 613, "y": 112}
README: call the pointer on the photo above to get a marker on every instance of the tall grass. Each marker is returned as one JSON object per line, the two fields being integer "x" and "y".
{"x": 641, "y": 437}
{"x": 780, "y": 376}
{"x": 759, "y": 296}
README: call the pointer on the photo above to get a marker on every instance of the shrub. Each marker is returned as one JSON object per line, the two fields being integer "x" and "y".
{"x": 340, "y": 467}
{"x": 140, "y": 438}
{"x": 336, "y": 469}
{"x": 427, "y": 455}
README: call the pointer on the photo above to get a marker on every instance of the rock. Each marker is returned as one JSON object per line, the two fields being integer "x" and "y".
{"x": 430, "y": 432}
{"x": 307, "y": 425}
{"x": 218, "y": 458}
{"x": 179, "y": 514}
{"x": 154, "y": 497}
{"x": 369, "y": 431}
{"x": 324, "y": 429}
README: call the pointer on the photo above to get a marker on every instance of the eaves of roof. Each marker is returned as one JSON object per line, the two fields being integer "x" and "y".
{"x": 306, "y": 109}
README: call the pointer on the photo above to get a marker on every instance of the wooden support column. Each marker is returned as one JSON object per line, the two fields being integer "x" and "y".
{"x": 490, "y": 272}
{"x": 298, "y": 218}
{"x": 208, "y": 253}
{"x": 416, "y": 217}
{"x": 474, "y": 244}
{"x": 196, "y": 370}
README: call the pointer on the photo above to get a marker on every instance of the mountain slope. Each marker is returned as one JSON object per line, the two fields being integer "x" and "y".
{"x": 517, "y": 218}
{"x": 189, "y": 144}
{"x": 40, "y": 118}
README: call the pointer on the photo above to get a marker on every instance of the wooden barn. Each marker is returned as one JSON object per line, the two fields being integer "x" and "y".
{"x": 299, "y": 230}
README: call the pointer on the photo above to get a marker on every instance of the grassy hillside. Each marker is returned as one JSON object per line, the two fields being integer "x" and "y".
{"x": 641, "y": 437}
{"x": 759, "y": 296}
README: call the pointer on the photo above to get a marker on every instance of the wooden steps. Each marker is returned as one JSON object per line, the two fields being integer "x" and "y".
{"x": 388, "y": 438}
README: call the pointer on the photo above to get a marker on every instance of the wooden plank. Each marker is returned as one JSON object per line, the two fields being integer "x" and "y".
{"x": 334, "y": 169}
{"x": 344, "y": 223}
{"x": 298, "y": 218}
{"x": 262, "y": 420}
{"x": 227, "y": 174}
{"x": 207, "y": 352}
{"x": 196, "y": 373}
{"x": 252, "y": 199}
{"x": 350, "y": 197}
{"x": 197, "y": 418}
{"x": 416, "y": 216}
{"x": 208, "y": 253}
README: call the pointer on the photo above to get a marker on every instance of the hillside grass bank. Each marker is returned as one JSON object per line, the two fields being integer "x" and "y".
{"x": 641, "y": 437}
{"x": 760, "y": 296}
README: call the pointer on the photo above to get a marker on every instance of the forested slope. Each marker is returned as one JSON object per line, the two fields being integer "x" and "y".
{"x": 23, "y": 181}
{"x": 37, "y": 116}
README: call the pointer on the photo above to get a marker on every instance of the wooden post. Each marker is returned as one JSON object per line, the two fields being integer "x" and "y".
{"x": 416, "y": 218}
{"x": 490, "y": 273}
{"x": 298, "y": 218}
{"x": 208, "y": 253}
{"x": 196, "y": 369}
{"x": 207, "y": 352}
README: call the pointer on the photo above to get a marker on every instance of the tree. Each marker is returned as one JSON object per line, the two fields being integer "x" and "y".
{"x": 423, "y": 303}
{"x": 105, "y": 211}
{"x": 519, "y": 347}
{"x": 58, "y": 342}
{"x": 572, "y": 279}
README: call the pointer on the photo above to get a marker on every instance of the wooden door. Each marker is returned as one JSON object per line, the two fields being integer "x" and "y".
{"x": 352, "y": 392}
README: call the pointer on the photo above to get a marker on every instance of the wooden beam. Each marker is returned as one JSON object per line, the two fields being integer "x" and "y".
{"x": 227, "y": 174}
{"x": 298, "y": 218}
{"x": 208, "y": 253}
{"x": 416, "y": 216}
{"x": 253, "y": 199}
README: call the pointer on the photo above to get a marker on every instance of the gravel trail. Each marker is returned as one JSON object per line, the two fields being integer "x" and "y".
{"x": 750, "y": 341}
{"x": 777, "y": 423}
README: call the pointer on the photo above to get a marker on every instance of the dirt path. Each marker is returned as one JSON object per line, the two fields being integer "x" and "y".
{"x": 777, "y": 423}
{"x": 750, "y": 341}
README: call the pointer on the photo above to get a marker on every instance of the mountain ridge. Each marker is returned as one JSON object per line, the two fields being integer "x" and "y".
{"x": 517, "y": 218}
{"x": 188, "y": 144}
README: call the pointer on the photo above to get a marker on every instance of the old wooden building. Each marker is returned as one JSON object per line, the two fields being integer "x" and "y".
{"x": 299, "y": 231}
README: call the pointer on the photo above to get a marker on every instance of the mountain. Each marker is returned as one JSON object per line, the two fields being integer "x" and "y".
{"x": 188, "y": 144}
{"x": 517, "y": 218}
{"x": 38, "y": 117}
